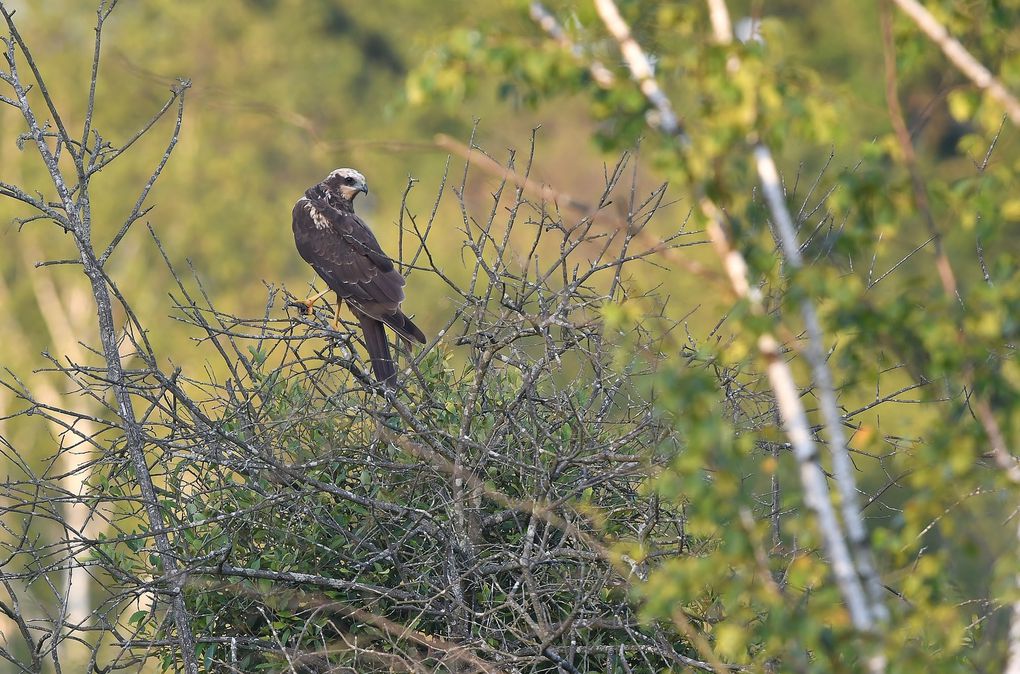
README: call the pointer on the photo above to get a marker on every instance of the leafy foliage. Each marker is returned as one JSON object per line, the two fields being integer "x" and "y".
{"x": 757, "y": 588}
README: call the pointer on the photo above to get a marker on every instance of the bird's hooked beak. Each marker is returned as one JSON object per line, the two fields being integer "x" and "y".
{"x": 350, "y": 191}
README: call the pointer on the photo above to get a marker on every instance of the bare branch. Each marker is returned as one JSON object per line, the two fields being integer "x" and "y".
{"x": 909, "y": 157}
{"x": 77, "y": 214}
{"x": 137, "y": 212}
{"x": 640, "y": 68}
{"x": 780, "y": 376}
{"x": 63, "y": 137}
{"x": 873, "y": 609}
{"x": 961, "y": 58}
{"x": 602, "y": 75}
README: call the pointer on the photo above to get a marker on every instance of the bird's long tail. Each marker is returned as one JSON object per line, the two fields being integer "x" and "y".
{"x": 403, "y": 326}
{"x": 378, "y": 349}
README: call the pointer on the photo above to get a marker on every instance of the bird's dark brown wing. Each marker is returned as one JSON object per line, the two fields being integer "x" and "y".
{"x": 344, "y": 252}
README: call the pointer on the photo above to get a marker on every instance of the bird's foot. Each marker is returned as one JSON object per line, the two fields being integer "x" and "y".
{"x": 307, "y": 305}
{"x": 338, "y": 327}
{"x": 304, "y": 307}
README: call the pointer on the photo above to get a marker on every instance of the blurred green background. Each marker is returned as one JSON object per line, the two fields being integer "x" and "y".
{"x": 283, "y": 91}
{"x": 286, "y": 90}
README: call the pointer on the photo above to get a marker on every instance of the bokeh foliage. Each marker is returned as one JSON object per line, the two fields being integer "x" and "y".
{"x": 938, "y": 509}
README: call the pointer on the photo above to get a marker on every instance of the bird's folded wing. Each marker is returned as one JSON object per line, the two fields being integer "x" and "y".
{"x": 348, "y": 257}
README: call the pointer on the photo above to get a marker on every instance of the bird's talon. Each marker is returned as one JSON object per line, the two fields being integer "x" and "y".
{"x": 304, "y": 307}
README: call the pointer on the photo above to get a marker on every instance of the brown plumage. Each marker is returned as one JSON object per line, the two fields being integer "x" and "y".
{"x": 343, "y": 251}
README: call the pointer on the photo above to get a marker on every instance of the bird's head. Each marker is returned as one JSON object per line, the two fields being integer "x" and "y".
{"x": 346, "y": 183}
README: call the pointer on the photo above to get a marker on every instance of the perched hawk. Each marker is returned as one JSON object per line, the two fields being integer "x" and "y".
{"x": 343, "y": 251}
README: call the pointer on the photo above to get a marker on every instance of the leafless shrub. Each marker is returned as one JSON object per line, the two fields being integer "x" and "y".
{"x": 473, "y": 505}
{"x": 279, "y": 508}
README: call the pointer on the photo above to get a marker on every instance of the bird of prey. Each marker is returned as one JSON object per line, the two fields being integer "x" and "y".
{"x": 343, "y": 251}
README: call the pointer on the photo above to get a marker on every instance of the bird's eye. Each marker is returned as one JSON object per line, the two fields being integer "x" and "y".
{"x": 348, "y": 180}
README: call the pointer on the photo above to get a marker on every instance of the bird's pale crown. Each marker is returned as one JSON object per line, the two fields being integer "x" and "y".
{"x": 346, "y": 182}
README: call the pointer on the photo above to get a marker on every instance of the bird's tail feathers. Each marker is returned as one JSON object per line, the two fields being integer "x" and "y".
{"x": 403, "y": 326}
{"x": 378, "y": 350}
